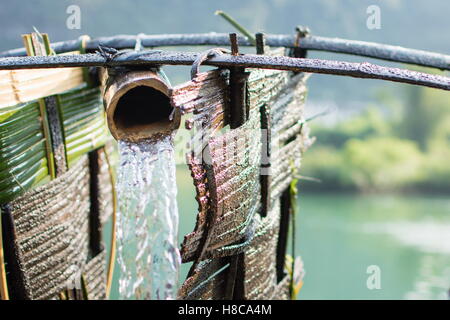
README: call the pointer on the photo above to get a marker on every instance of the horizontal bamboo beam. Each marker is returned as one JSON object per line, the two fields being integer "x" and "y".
{"x": 157, "y": 57}
{"x": 337, "y": 45}
{"x": 19, "y": 86}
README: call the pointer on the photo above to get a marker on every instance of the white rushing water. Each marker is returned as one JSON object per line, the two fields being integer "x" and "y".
{"x": 147, "y": 228}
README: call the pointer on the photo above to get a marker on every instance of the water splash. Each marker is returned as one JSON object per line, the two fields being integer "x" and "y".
{"x": 147, "y": 229}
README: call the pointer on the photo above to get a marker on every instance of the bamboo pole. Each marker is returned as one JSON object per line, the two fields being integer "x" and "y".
{"x": 315, "y": 43}
{"x": 3, "y": 283}
{"x": 112, "y": 254}
{"x": 240, "y": 28}
{"x": 156, "y": 58}
{"x": 138, "y": 106}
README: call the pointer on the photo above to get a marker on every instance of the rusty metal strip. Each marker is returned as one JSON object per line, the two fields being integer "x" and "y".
{"x": 155, "y": 58}
{"x": 312, "y": 42}
{"x": 53, "y": 239}
{"x": 195, "y": 69}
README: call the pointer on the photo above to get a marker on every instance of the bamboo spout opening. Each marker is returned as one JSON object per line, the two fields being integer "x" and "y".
{"x": 138, "y": 107}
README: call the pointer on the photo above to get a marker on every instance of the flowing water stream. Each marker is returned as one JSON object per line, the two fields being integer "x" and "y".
{"x": 147, "y": 229}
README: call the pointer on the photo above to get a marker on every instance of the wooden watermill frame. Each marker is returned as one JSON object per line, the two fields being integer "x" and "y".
{"x": 226, "y": 102}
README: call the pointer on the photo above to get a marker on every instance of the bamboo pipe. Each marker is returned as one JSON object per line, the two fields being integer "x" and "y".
{"x": 138, "y": 106}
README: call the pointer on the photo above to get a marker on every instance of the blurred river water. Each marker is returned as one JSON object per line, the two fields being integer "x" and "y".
{"x": 340, "y": 235}
{"x": 407, "y": 237}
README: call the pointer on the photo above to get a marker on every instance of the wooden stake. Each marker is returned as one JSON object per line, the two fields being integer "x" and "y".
{"x": 260, "y": 43}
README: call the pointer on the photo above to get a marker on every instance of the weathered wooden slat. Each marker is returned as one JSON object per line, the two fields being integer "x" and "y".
{"x": 260, "y": 258}
{"x": 95, "y": 276}
{"x": 227, "y": 178}
{"x": 292, "y": 138}
{"x": 197, "y": 94}
{"x": 206, "y": 97}
{"x": 52, "y": 232}
{"x": 285, "y": 160}
{"x": 233, "y": 178}
{"x": 281, "y": 291}
{"x": 233, "y": 189}
{"x": 229, "y": 181}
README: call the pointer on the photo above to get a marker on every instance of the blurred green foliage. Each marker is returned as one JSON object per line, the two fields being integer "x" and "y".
{"x": 401, "y": 145}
